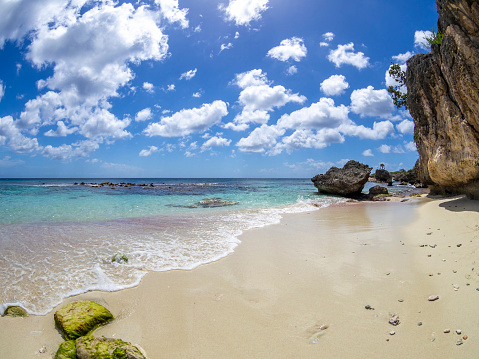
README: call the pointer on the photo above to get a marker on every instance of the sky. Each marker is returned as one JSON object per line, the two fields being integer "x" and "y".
{"x": 204, "y": 88}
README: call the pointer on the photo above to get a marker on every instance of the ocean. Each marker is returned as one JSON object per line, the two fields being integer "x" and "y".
{"x": 62, "y": 237}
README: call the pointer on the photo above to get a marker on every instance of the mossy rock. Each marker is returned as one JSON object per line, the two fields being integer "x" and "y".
{"x": 79, "y": 318}
{"x": 119, "y": 258}
{"x": 15, "y": 311}
{"x": 67, "y": 350}
{"x": 90, "y": 347}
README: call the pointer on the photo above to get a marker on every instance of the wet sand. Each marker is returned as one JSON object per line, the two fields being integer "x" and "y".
{"x": 284, "y": 282}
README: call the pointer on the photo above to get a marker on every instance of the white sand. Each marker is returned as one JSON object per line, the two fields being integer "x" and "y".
{"x": 285, "y": 281}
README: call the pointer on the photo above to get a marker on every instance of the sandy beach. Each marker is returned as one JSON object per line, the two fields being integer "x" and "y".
{"x": 299, "y": 289}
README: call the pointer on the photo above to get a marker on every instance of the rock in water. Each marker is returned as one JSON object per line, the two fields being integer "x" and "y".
{"x": 15, "y": 311}
{"x": 443, "y": 99}
{"x": 67, "y": 350}
{"x": 347, "y": 181}
{"x": 78, "y": 318}
{"x": 106, "y": 348}
{"x": 382, "y": 175}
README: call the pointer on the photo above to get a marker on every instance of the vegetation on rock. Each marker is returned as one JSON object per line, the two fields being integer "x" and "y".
{"x": 399, "y": 97}
{"x": 67, "y": 350}
{"x": 15, "y": 311}
{"x": 90, "y": 347}
{"x": 79, "y": 318}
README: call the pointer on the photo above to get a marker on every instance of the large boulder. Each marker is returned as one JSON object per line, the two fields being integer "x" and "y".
{"x": 382, "y": 175}
{"x": 443, "y": 99}
{"x": 78, "y": 318}
{"x": 89, "y": 347}
{"x": 15, "y": 311}
{"x": 347, "y": 181}
{"x": 67, "y": 350}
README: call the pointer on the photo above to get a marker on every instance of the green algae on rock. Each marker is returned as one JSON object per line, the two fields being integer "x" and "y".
{"x": 90, "y": 347}
{"x": 119, "y": 258}
{"x": 67, "y": 350}
{"x": 15, "y": 311}
{"x": 78, "y": 318}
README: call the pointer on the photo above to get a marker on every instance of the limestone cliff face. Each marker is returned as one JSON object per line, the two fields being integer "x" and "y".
{"x": 443, "y": 98}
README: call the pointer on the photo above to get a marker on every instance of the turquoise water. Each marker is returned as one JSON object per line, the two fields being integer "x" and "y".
{"x": 57, "y": 237}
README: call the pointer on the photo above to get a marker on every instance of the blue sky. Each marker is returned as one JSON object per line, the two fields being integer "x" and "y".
{"x": 210, "y": 88}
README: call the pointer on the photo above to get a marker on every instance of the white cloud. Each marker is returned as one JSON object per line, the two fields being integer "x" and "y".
{"x": 289, "y": 49}
{"x": 420, "y": 39}
{"x": 371, "y": 102}
{"x": 254, "y": 77}
{"x": 102, "y": 123}
{"x": 322, "y": 114}
{"x": 189, "y": 121}
{"x": 406, "y": 127}
{"x": 188, "y": 75}
{"x": 402, "y": 58}
{"x": 305, "y": 138}
{"x": 242, "y": 12}
{"x": 266, "y": 98}
{"x": 410, "y": 146}
{"x": 379, "y": 131}
{"x": 148, "y": 87}
{"x": 292, "y": 70}
{"x": 197, "y": 94}
{"x": 241, "y": 121}
{"x": 334, "y": 85}
{"x": 384, "y": 149}
{"x": 16, "y": 140}
{"x": 328, "y": 36}
{"x": 368, "y": 153}
{"x": 62, "y": 130}
{"x": 149, "y": 151}
{"x": 215, "y": 142}
{"x": 323, "y": 44}
{"x": 173, "y": 13}
{"x": 144, "y": 115}
{"x": 345, "y": 55}
{"x": 225, "y": 47}
{"x": 170, "y": 88}
{"x": 237, "y": 35}
{"x": 69, "y": 152}
{"x": 260, "y": 139}
{"x": 2, "y": 90}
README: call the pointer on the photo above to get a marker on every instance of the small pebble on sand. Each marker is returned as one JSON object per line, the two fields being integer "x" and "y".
{"x": 419, "y": 324}
{"x": 432, "y": 298}
{"x": 392, "y": 332}
{"x": 400, "y": 300}
{"x": 458, "y": 331}
{"x": 459, "y": 342}
{"x": 465, "y": 337}
{"x": 447, "y": 331}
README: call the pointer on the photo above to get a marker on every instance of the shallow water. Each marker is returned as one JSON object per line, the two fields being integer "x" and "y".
{"x": 57, "y": 238}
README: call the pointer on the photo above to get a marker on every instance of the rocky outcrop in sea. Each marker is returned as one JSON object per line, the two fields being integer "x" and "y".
{"x": 348, "y": 181}
{"x": 443, "y": 99}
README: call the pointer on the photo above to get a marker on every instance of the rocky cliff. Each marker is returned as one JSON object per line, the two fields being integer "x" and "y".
{"x": 443, "y": 98}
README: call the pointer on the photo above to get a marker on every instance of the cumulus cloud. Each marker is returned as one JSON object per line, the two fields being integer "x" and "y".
{"x": 345, "y": 55}
{"x": 368, "y": 153}
{"x": 148, "y": 87}
{"x": 62, "y": 130}
{"x": 402, "y": 58}
{"x": 379, "y": 131}
{"x": 292, "y": 70}
{"x": 260, "y": 138}
{"x": 188, "y": 75}
{"x": 322, "y": 114}
{"x": 188, "y": 121}
{"x": 242, "y": 12}
{"x": 11, "y": 135}
{"x": 68, "y": 152}
{"x": 254, "y": 77}
{"x": 149, "y": 151}
{"x": 305, "y": 138}
{"x": 144, "y": 115}
{"x": 328, "y": 36}
{"x": 241, "y": 121}
{"x": 420, "y": 39}
{"x": 215, "y": 141}
{"x": 410, "y": 146}
{"x": 406, "y": 127}
{"x": 173, "y": 13}
{"x": 384, "y": 149}
{"x": 266, "y": 98}
{"x": 371, "y": 102}
{"x": 334, "y": 85}
{"x": 102, "y": 123}
{"x": 289, "y": 49}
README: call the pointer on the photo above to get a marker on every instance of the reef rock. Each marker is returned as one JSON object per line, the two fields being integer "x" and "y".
{"x": 15, "y": 311}
{"x": 78, "y": 318}
{"x": 67, "y": 350}
{"x": 376, "y": 190}
{"x": 443, "y": 99}
{"x": 382, "y": 175}
{"x": 347, "y": 181}
{"x": 105, "y": 348}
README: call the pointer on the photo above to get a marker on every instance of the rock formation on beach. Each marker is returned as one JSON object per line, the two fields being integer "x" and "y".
{"x": 443, "y": 99}
{"x": 347, "y": 181}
